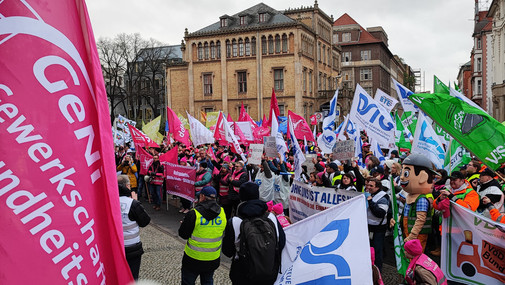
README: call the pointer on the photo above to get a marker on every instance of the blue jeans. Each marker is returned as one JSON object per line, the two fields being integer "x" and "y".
{"x": 189, "y": 277}
{"x": 155, "y": 194}
{"x": 141, "y": 186}
{"x": 377, "y": 242}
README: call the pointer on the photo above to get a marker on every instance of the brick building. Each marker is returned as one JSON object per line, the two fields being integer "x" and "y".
{"x": 366, "y": 59}
{"x": 240, "y": 58}
{"x": 497, "y": 13}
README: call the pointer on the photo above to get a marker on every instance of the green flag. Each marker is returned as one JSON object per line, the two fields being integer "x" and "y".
{"x": 409, "y": 121}
{"x": 402, "y": 262}
{"x": 471, "y": 127}
{"x": 456, "y": 87}
{"x": 456, "y": 156}
{"x": 402, "y": 140}
{"x": 439, "y": 86}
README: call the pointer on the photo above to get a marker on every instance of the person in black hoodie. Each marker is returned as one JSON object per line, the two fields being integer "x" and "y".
{"x": 203, "y": 227}
{"x": 250, "y": 207}
{"x": 133, "y": 215}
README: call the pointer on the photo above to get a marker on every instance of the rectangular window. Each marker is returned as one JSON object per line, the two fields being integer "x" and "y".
{"x": 208, "y": 110}
{"x": 304, "y": 74}
{"x": 310, "y": 81}
{"x": 346, "y": 76}
{"x": 242, "y": 20}
{"x": 247, "y": 48}
{"x": 279, "y": 79}
{"x": 242, "y": 81}
{"x": 365, "y": 74}
{"x": 479, "y": 44}
{"x": 479, "y": 87}
{"x": 228, "y": 49}
{"x": 264, "y": 45}
{"x": 346, "y": 37}
{"x": 212, "y": 51}
{"x": 346, "y": 56}
{"x": 366, "y": 55}
{"x": 369, "y": 91}
{"x": 240, "y": 48}
{"x": 207, "y": 84}
{"x": 262, "y": 17}
{"x": 223, "y": 23}
{"x": 282, "y": 110}
{"x": 234, "y": 49}
{"x": 479, "y": 64}
{"x": 270, "y": 44}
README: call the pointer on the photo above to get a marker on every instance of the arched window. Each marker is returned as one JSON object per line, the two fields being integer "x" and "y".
{"x": 200, "y": 51}
{"x": 247, "y": 47}
{"x": 212, "y": 50}
{"x": 277, "y": 44}
{"x": 234, "y": 47}
{"x": 228, "y": 48}
{"x": 218, "y": 49}
{"x": 253, "y": 46}
{"x": 263, "y": 45}
{"x": 240, "y": 47}
{"x": 206, "y": 50}
{"x": 270, "y": 44}
{"x": 284, "y": 43}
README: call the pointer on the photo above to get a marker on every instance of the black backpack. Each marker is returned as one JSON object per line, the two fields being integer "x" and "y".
{"x": 259, "y": 249}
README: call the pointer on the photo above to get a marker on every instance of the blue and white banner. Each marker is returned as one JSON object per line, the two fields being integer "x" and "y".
{"x": 306, "y": 200}
{"x": 299, "y": 158}
{"x": 372, "y": 117}
{"x": 377, "y": 151}
{"x": 386, "y": 101}
{"x": 331, "y": 247}
{"x": 326, "y": 141}
{"x": 426, "y": 142}
{"x": 329, "y": 121}
{"x": 279, "y": 139}
{"x": 403, "y": 94}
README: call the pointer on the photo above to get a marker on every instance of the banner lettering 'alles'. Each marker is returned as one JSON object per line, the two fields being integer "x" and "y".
{"x": 59, "y": 203}
{"x": 180, "y": 180}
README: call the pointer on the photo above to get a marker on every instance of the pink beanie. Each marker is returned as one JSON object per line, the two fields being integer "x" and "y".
{"x": 270, "y": 205}
{"x": 414, "y": 247}
{"x": 320, "y": 175}
{"x": 278, "y": 209}
{"x": 184, "y": 159}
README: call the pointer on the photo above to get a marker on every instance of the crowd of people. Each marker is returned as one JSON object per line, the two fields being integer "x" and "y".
{"x": 229, "y": 191}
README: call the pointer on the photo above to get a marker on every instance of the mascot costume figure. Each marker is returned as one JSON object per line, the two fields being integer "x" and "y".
{"x": 417, "y": 180}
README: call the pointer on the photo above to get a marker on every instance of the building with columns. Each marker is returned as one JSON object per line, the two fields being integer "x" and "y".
{"x": 497, "y": 47}
{"x": 243, "y": 57}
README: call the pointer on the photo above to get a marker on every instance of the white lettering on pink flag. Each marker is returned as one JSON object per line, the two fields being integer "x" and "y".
{"x": 59, "y": 203}
{"x": 180, "y": 180}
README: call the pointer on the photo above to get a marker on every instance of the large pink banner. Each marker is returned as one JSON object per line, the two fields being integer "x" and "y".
{"x": 180, "y": 180}
{"x": 59, "y": 202}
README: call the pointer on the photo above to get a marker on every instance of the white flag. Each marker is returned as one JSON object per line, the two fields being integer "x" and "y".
{"x": 231, "y": 138}
{"x": 329, "y": 120}
{"x": 279, "y": 139}
{"x": 403, "y": 94}
{"x": 426, "y": 142}
{"x": 385, "y": 100}
{"x": 299, "y": 158}
{"x": 330, "y": 247}
{"x": 370, "y": 115}
{"x": 199, "y": 133}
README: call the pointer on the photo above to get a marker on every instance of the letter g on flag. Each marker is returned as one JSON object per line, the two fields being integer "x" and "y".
{"x": 312, "y": 254}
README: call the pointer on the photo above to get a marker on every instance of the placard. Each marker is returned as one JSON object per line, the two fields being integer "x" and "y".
{"x": 256, "y": 151}
{"x": 308, "y": 162}
{"x": 343, "y": 150}
{"x": 270, "y": 147}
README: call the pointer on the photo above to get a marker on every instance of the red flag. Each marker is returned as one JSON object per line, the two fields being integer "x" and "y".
{"x": 210, "y": 152}
{"x": 244, "y": 117}
{"x": 301, "y": 128}
{"x": 313, "y": 120}
{"x": 145, "y": 159}
{"x": 170, "y": 156}
{"x": 176, "y": 128}
{"x": 219, "y": 133}
{"x": 229, "y": 118}
{"x": 141, "y": 139}
{"x": 60, "y": 208}
{"x": 274, "y": 108}
{"x": 240, "y": 134}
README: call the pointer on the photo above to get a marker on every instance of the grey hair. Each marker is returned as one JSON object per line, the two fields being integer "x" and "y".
{"x": 123, "y": 180}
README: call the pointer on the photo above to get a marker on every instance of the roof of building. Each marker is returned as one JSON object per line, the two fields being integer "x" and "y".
{"x": 168, "y": 52}
{"x": 485, "y": 24}
{"x": 365, "y": 36}
{"x": 274, "y": 17}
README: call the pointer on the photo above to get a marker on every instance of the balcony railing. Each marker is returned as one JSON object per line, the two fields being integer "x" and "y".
{"x": 325, "y": 94}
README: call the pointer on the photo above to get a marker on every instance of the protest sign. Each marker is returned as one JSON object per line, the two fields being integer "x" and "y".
{"x": 472, "y": 248}
{"x": 308, "y": 162}
{"x": 331, "y": 247}
{"x": 306, "y": 200}
{"x": 180, "y": 180}
{"x": 270, "y": 146}
{"x": 343, "y": 150}
{"x": 59, "y": 202}
{"x": 256, "y": 151}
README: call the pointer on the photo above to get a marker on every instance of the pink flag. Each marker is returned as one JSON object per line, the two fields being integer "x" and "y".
{"x": 170, "y": 156}
{"x": 176, "y": 128}
{"x": 240, "y": 134}
{"x": 229, "y": 118}
{"x": 145, "y": 159}
{"x": 274, "y": 108}
{"x": 244, "y": 117}
{"x": 141, "y": 139}
{"x": 219, "y": 133}
{"x": 301, "y": 128}
{"x": 59, "y": 202}
{"x": 210, "y": 152}
{"x": 313, "y": 120}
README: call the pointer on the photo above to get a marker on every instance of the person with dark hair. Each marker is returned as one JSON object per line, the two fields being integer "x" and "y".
{"x": 347, "y": 182}
{"x": 490, "y": 188}
{"x": 236, "y": 179}
{"x": 250, "y": 207}
{"x": 203, "y": 178}
{"x": 156, "y": 174}
{"x": 133, "y": 216}
{"x": 378, "y": 206}
{"x": 203, "y": 227}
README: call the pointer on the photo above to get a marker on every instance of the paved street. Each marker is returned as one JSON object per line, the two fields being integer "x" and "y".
{"x": 164, "y": 249}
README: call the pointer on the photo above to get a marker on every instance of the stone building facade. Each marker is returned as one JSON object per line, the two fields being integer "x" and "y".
{"x": 242, "y": 58}
{"x": 497, "y": 13}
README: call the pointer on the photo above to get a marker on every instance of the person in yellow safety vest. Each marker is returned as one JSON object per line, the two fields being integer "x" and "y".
{"x": 203, "y": 227}
{"x": 472, "y": 173}
{"x": 332, "y": 176}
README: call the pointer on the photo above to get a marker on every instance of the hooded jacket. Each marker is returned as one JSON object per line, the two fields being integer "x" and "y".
{"x": 209, "y": 209}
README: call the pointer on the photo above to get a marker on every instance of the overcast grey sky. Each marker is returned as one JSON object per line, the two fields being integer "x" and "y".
{"x": 433, "y": 35}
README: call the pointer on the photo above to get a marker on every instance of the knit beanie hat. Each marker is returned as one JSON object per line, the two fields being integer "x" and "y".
{"x": 278, "y": 209}
{"x": 270, "y": 205}
{"x": 249, "y": 191}
{"x": 413, "y": 247}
